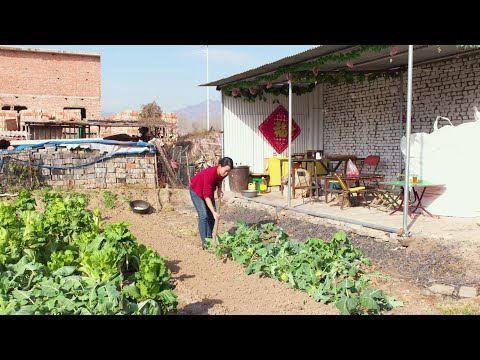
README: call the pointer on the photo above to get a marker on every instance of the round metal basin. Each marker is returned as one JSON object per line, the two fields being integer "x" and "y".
{"x": 139, "y": 206}
{"x": 249, "y": 193}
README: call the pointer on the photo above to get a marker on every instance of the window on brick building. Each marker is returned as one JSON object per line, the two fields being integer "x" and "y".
{"x": 15, "y": 108}
{"x": 83, "y": 111}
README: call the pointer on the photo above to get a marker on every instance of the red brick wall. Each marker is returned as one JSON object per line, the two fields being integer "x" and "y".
{"x": 50, "y": 81}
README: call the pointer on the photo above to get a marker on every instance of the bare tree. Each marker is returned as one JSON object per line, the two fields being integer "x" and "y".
{"x": 151, "y": 116}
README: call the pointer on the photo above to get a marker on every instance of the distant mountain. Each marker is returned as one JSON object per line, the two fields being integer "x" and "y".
{"x": 195, "y": 116}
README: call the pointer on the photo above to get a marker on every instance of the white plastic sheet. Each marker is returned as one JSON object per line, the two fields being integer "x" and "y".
{"x": 450, "y": 156}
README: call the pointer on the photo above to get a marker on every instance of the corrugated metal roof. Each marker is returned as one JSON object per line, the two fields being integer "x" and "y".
{"x": 370, "y": 61}
{"x": 304, "y": 56}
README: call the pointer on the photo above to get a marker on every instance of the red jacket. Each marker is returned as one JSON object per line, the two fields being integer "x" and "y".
{"x": 205, "y": 182}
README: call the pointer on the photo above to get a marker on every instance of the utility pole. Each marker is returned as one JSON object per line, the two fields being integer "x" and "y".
{"x": 208, "y": 100}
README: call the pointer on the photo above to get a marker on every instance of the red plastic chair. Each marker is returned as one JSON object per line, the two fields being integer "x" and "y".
{"x": 369, "y": 166}
{"x": 371, "y": 161}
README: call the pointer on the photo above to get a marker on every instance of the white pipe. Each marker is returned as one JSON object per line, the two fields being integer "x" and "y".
{"x": 289, "y": 142}
{"x": 406, "y": 189}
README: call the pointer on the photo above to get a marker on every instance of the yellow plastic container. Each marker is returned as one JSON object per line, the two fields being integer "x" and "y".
{"x": 251, "y": 186}
{"x": 263, "y": 185}
{"x": 274, "y": 170}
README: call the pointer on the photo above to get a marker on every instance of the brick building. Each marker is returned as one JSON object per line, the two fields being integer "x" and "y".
{"x": 168, "y": 126}
{"x": 46, "y": 83}
{"x": 360, "y": 118}
{"x": 55, "y": 94}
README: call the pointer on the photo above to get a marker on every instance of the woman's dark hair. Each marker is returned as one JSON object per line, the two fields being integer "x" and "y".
{"x": 226, "y": 161}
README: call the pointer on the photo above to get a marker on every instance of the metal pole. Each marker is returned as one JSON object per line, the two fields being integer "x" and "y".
{"x": 222, "y": 126}
{"x": 208, "y": 101}
{"x": 289, "y": 142}
{"x": 401, "y": 120}
{"x": 407, "y": 135}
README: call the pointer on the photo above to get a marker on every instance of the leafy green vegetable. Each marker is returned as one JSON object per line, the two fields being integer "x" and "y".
{"x": 61, "y": 261}
{"x": 331, "y": 271}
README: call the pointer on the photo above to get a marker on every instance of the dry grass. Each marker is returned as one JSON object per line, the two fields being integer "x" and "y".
{"x": 452, "y": 309}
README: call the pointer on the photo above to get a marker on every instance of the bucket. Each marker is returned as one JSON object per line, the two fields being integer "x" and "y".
{"x": 238, "y": 178}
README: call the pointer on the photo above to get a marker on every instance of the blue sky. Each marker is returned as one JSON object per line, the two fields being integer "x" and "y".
{"x": 133, "y": 75}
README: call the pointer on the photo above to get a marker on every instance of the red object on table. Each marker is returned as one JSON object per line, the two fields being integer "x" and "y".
{"x": 275, "y": 129}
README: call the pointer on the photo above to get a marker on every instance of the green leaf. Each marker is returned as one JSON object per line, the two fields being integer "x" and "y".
{"x": 22, "y": 295}
{"x": 395, "y": 303}
{"x": 26, "y": 310}
{"x": 49, "y": 290}
{"x": 131, "y": 291}
{"x": 64, "y": 271}
{"x": 368, "y": 302}
{"x": 148, "y": 307}
{"x": 346, "y": 305}
{"x": 375, "y": 294}
{"x": 85, "y": 311}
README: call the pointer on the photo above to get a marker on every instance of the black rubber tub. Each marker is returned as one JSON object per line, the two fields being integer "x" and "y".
{"x": 139, "y": 206}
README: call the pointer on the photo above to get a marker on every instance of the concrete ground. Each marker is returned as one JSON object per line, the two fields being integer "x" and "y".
{"x": 420, "y": 225}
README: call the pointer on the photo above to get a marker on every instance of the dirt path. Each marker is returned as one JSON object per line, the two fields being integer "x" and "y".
{"x": 206, "y": 285}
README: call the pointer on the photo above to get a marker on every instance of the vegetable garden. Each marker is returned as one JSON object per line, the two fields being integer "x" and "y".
{"x": 64, "y": 261}
{"x": 331, "y": 271}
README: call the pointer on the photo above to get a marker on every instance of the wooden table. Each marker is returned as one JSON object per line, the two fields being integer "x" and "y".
{"x": 340, "y": 159}
{"x": 349, "y": 180}
{"x": 412, "y": 207}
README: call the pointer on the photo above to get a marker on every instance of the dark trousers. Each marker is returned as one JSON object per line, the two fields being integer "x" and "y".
{"x": 206, "y": 221}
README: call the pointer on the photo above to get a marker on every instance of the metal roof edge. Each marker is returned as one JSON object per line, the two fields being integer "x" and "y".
{"x": 273, "y": 66}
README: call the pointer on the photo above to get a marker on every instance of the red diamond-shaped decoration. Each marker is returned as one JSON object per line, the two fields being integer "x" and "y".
{"x": 275, "y": 129}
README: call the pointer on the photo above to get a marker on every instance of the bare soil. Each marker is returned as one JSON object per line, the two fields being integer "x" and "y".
{"x": 206, "y": 285}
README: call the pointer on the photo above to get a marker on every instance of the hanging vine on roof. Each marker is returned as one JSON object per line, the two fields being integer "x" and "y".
{"x": 308, "y": 73}
{"x": 310, "y": 66}
{"x": 307, "y": 77}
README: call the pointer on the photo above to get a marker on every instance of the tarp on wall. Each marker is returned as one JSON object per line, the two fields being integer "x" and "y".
{"x": 106, "y": 145}
{"x": 107, "y": 148}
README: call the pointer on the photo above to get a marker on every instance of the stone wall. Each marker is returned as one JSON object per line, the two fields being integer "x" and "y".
{"x": 135, "y": 169}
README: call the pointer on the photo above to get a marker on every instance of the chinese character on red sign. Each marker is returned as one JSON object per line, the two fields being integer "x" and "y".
{"x": 275, "y": 129}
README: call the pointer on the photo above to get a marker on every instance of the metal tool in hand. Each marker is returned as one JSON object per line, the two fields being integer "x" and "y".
{"x": 215, "y": 227}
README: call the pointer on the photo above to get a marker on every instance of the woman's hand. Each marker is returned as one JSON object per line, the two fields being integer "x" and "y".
{"x": 216, "y": 215}
{"x": 220, "y": 193}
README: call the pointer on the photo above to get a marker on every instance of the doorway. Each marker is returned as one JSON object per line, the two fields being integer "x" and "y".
{"x": 83, "y": 111}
